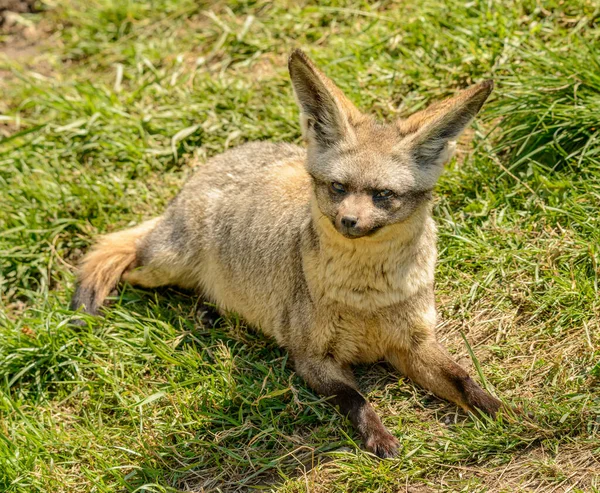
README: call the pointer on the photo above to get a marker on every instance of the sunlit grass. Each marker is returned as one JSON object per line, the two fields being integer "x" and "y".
{"x": 104, "y": 119}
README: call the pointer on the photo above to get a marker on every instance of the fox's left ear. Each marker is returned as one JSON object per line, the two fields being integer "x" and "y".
{"x": 433, "y": 130}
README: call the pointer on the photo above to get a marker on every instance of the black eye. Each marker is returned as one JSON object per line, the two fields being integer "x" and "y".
{"x": 382, "y": 194}
{"x": 337, "y": 187}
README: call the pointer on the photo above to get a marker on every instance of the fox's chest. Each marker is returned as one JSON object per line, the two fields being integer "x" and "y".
{"x": 354, "y": 336}
{"x": 368, "y": 283}
{"x": 368, "y": 296}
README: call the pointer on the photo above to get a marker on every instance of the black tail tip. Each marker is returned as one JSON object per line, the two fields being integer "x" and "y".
{"x": 83, "y": 300}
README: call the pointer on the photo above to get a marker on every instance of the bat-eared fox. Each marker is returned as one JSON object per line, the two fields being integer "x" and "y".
{"x": 329, "y": 248}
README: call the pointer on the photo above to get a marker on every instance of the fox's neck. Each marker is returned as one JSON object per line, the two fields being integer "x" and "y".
{"x": 375, "y": 271}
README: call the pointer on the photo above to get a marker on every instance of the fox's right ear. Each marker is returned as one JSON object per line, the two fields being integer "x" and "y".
{"x": 326, "y": 113}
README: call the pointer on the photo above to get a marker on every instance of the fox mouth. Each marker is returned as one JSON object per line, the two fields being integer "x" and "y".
{"x": 353, "y": 234}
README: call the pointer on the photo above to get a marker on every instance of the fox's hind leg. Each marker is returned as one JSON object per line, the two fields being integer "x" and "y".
{"x": 330, "y": 378}
{"x": 161, "y": 260}
{"x": 146, "y": 276}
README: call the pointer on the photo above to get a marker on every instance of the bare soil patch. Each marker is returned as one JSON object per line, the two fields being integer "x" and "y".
{"x": 21, "y": 6}
{"x": 18, "y": 35}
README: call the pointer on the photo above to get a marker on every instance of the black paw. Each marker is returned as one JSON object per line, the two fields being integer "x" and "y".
{"x": 382, "y": 443}
{"x": 207, "y": 315}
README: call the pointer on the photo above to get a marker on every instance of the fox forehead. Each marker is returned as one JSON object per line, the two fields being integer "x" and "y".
{"x": 376, "y": 157}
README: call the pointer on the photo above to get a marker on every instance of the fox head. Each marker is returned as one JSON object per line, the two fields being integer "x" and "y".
{"x": 368, "y": 175}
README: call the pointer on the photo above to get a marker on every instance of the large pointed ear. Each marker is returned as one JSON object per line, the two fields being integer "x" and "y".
{"x": 326, "y": 113}
{"x": 433, "y": 130}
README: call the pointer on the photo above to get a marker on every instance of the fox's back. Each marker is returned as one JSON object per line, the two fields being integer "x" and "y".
{"x": 239, "y": 220}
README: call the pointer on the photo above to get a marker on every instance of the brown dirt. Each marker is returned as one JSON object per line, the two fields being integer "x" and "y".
{"x": 18, "y": 6}
{"x": 18, "y": 37}
{"x": 22, "y": 41}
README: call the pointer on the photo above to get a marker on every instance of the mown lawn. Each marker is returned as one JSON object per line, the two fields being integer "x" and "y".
{"x": 107, "y": 104}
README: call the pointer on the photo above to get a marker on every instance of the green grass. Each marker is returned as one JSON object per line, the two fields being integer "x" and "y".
{"x": 102, "y": 119}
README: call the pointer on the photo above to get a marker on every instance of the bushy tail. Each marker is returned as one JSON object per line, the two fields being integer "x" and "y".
{"x": 102, "y": 267}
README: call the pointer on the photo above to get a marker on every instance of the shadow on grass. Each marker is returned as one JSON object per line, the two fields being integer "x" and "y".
{"x": 238, "y": 417}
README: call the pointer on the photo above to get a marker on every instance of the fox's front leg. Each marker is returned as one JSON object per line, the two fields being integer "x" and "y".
{"x": 428, "y": 364}
{"x": 330, "y": 378}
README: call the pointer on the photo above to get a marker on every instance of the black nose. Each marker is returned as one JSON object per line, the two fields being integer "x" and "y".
{"x": 349, "y": 221}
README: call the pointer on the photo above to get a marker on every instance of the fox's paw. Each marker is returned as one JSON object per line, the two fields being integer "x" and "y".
{"x": 382, "y": 443}
{"x": 207, "y": 315}
{"x": 488, "y": 404}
